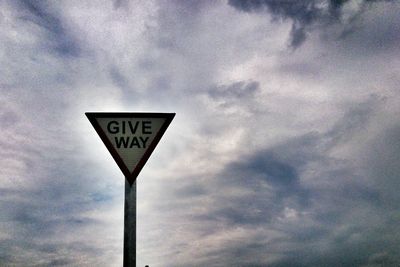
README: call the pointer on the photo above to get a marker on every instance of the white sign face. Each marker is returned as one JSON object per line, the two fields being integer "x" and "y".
{"x": 130, "y": 137}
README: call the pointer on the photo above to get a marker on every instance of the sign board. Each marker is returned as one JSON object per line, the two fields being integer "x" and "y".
{"x": 130, "y": 137}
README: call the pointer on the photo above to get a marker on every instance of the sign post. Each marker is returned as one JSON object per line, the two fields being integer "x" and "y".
{"x": 130, "y": 225}
{"x": 130, "y": 138}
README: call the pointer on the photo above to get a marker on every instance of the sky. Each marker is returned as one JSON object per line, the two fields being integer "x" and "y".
{"x": 284, "y": 150}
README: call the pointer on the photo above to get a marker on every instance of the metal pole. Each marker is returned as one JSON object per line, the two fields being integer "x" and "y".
{"x": 130, "y": 225}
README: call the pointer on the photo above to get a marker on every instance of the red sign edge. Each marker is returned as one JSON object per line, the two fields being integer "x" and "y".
{"x": 130, "y": 176}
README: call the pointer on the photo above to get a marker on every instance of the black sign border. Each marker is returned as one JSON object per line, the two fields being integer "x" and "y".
{"x": 131, "y": 177}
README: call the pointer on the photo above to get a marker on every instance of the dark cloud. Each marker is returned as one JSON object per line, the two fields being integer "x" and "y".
{"x": 17, "y": 252}
{"x": 270, "y": 169}
{"x": 324, "y": 218}
{"x": 39, "y": 213}
{"x": 42, "y": 218}
{"x": 271, "y": 178}
{"x": 303, "y": 13}
{"x": 236, "y": 90}
{"x": 235, "y": 97}
{"x": 383, "y": 166}
{"x": 121, "y": 3}
{"x": 119, "y": 79}
{"x": 59, "y": 39}
{"x": 61, "y": 262}
{"x": 8, "y": 118}
{"x": 298, "y": 34}
{"x": 355, "y": 119}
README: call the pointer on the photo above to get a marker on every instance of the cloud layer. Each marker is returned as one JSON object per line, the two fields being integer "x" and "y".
{"x": 307, "y": 14}
{"x": 276, "y": 157}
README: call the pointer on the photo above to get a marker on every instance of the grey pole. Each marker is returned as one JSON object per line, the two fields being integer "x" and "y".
{"x": 130, "y": 225}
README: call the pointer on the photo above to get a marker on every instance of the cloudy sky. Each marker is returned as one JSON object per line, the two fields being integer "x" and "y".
{"x": 285, "y": 148}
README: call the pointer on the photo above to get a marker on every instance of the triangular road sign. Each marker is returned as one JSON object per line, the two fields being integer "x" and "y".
{"x": 130, "y": 137}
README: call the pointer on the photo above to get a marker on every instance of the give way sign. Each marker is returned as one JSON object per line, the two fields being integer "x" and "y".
{"x": 130, "y": 137}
